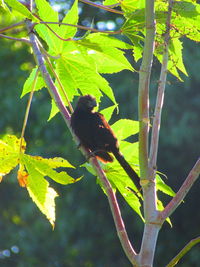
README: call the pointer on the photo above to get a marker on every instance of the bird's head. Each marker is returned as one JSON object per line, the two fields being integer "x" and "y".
{"x": 87, "y": 102}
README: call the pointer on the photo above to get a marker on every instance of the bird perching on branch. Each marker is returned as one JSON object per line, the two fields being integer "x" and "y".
{"x": 95, "y": 133}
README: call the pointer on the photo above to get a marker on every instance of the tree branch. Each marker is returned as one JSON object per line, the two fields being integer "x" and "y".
{"x": 15, "y": 39}
{"x": 160, "y": 98}
{"x": 107, "y": 8}
{"x": 182, "y": 192}
{"x": 12, "y": 26}
{"x": 180, "y": 255}
{"x": 144, "y": 78}
{"x": 128, "y": 249}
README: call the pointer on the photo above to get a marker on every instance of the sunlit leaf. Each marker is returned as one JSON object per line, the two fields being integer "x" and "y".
{"x": 29, "y": 83}
{"x": 124, "y": 128}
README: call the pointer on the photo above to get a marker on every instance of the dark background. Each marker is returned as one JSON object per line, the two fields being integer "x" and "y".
{"x": 84, "y": 234}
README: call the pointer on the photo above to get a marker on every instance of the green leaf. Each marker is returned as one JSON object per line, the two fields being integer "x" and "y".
{"x": 130, "y": 152}
{"x": 176, "y": 57}
{"x": 110, "y": 2}
{"x": 47, "y": 14}
{"x": 71, "y": 18}
{"x": 103, "y": 52}
{"x": 160, "y": 185}
{"x": 107, "y": 112}
{"x": 138, "y": 50}
{"x": 46, "y": 168}
{"x": 160, "y": 208}
{"x": 123, "y": 183}
{"x": 40, "y": 192}
{"x": 128, "y": 6}
{"x": 186, "y": 20}
{"x": 124, "y": 128}
{"x": 9, "y": 153}
{"x": 16, "y": 5}
{"x": 76, "y": 73}
{"x": 29, "y": 81}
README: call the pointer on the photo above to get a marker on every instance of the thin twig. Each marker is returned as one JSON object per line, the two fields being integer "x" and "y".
{"x": 107, "y": 8}
{"x": 160, "y": 98}
{"x": 12, "y": 26}
{"x": 182, "y": 192}
{"x": 76, "y": 26}
{"x": 131, "y": 254}
{"x": 15, "y": 39}
{"x": 28, "y": 108}
{"x": 180, "y": 255}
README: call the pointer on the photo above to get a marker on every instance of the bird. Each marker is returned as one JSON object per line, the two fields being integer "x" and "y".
{"x": 95, "y": 134}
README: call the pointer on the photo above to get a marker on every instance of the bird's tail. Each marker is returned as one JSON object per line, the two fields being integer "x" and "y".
{"x": 128, "y": 169}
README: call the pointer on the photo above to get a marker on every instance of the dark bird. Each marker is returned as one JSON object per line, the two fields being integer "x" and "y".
{"x": 95, "y": 133}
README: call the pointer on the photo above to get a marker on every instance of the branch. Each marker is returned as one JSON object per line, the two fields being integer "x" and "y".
{"x": 144, "y": 78}
{"x": 107, "y": 8}
{"x": 160, "y": 98}
{"x": 15, "y": 39}
{"x": 128, "y": 249}
{"x": 176, "y": 259}
{"x": 12, "y": 26}
{"x": 151, "y": 229}
{"x": 173, "y": 204}
{"x": 76, "y": 26}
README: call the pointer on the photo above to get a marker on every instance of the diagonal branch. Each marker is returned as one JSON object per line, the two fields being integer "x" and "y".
{"x": 182, "y": 192}
{"x": 128, "y": 249}
{"x": 180, "y": 255}
{"x": 15, "y": 39}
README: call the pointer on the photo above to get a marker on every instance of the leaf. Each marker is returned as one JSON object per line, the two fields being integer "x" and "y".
{"x": 160, "y": 208}
{"x": 129, "y": 6}
{"x": 103, "y": 52}
{"x": 46, "y": 168}
{"x": 22, "y": 176}
{"x": 160, "y": 185}
{"x": 29, "y": 81}
{"x": 175, "y": 56}
{"x": 75, "y": 73}
{"x": 32, "y": 172}
{"x": 9, "y": 153}
{"x": 123, "y": 183}
{"x": 72, "y": 18}
{"x": 16, "y": 5}
{"x": 107, "y": 112}
{"x": 47, "y": 14}
{"x": 175, "y": 61}
{"x": 124, "y": 128}
{"x": 40, "y": 192}
{"x": 138, "y": 50}
{"x": 130, "y": 152}
{"x": 186, "y": 20}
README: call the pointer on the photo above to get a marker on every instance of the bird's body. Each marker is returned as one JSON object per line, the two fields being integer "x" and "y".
{"x": 95, "y": 133}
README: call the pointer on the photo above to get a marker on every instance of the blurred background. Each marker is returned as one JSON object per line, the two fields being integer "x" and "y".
{"x": 84, "y": 233}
